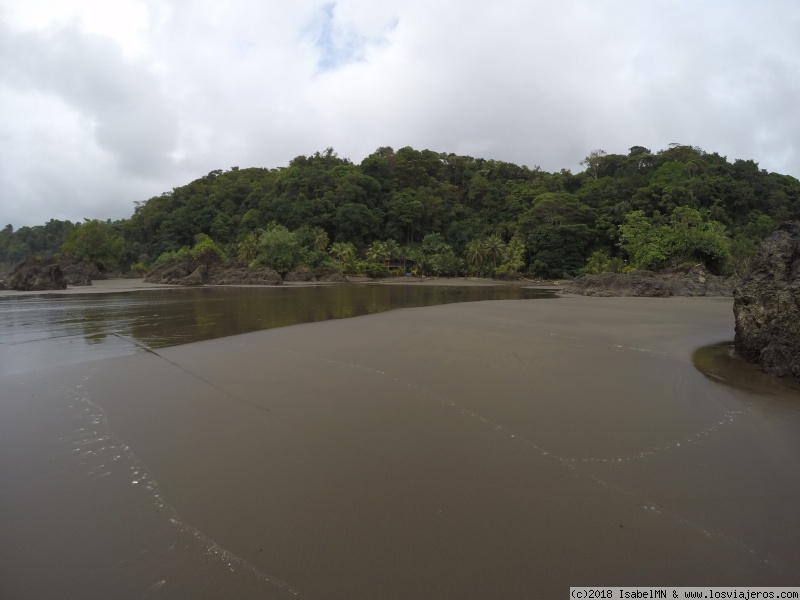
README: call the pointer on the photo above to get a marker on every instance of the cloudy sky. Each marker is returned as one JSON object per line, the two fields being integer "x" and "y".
{"x": 103, "y": 103}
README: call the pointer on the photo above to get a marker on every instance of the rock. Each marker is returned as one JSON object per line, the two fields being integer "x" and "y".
{"x": 196, "y": 277}
{"x": 172, "y": 272}
{"x": 81, "y": 273}
{"x": 332, "y": 277}
{"x": 766, "y": 305}
{"x": 676, "y": 281}
{"x": 36, "y": 275}
{"x": 245, "y": 276}
{"x": 299, "y": 274}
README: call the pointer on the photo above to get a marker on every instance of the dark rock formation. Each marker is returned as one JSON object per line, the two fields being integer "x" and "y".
{"x": 766, "y": 305}
{"x": 81, "y": 273}
{"x": 677, "y": 281}
{"x": 132, "y": 274}
{"x": 299, "y": 274}
{"x": 35, "y": 275}
{"x": 174, "y": 272}
{"x": 245, "y": 276}
{"x": 196, "y": 277}
{"x": 331, "y": 277}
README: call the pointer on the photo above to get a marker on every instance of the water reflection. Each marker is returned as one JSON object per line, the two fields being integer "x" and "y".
{"x": 38, "y": 331}
{"x": 720, "y": 363}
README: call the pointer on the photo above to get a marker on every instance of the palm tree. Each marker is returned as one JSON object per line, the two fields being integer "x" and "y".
{"x": 494, "y": 247}
{"x": 320, "y": 239}
{"x": 420, "y": 260}
{"x": 513, "y": 256}
{"x": 515, "y": 250}
{"x": 248, "y": 248}
{"x": 376, "y": 251}
{"x": 392, "y": 249}
{"x": 344, "y": 252}
{"x": 475, "y": 254}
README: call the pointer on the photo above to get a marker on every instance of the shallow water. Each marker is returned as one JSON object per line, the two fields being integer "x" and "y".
{"x": 720, "y": 363}
{"x": 485, "y": 450}
{"x": 49, "y": 330}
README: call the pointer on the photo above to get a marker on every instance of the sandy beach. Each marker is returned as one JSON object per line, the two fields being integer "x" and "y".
{"x": 504, "y": 449}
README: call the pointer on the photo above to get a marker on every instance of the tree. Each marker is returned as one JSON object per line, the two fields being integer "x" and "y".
{"x": 376, "y": 251}
{"x": 280, "y": 249}
{"x": 494, "y": 248}
{"x": 476, "y": 253}
{"x": 687, "y": 237}
{"x": 94, "y": 241}
{"x": 513, "y": 258}
{"x": 344, "y": 252}
{"x": 248, "y": 248}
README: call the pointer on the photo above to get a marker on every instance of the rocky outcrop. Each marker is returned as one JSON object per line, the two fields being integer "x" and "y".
{"x": 245, "y": 276}
{"x": 677, "y": 281}
{"x": 766, "y": 305}
{"x": 174, "y": 273}
{"x": 331, "y": 277}
{"x": 299, "y": 274}
{"x": 192, "y": 272}
{"x": 35, "y": 275}
{"x": 81, "y": 273}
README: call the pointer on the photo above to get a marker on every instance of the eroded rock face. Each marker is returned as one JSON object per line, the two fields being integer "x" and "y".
{"x": 679, "y": 281}
{"x": 299, "y": 274}
{"x": 81, "y": 273}
{"x": 35, "y": 275}
{"x": 766, "y": 305}
{"x": 245, "y": 276}
{"x": 174, "y": 273}
{"x": 331, "y": 277}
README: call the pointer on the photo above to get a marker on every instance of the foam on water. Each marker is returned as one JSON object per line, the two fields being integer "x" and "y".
{"x": 99, "y": 448}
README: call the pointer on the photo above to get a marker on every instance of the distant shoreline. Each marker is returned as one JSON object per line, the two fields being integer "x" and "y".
{"x": 108, "y": 286}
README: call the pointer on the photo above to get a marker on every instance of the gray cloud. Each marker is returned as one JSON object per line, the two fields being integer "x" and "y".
{"x": 256, "y": 83}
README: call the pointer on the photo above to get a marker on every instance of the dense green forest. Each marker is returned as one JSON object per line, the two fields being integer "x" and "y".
{"x": 446, "y": 214}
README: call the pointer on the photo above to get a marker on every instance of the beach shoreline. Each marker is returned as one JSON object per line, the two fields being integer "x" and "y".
{"x": 491, "y": 449}
{"x": 109, "y": 286}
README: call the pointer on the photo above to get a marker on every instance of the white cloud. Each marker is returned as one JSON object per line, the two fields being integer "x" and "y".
{"x": 170, "y": 90}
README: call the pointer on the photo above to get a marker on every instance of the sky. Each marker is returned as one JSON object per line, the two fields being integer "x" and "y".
{"x": 103, "y": 104}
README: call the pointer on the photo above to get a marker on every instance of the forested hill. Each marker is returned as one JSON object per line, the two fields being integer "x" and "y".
{"x": 643, "y": 209}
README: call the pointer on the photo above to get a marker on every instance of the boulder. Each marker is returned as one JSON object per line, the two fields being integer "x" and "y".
{"x": 173, "y": 272}
{"x": 677, "y": 281}
{"x": 81, "y": 273}
{"x": 766, "y": 305}
{"x": 36, "y": 275}
{"x": 196, "y": 277}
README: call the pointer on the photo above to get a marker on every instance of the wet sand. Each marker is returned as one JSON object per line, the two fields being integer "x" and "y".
{"x": 477, "y": 450}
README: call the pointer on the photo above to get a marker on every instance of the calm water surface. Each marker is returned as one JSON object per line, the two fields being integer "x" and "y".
{"x": 47, "y": 330}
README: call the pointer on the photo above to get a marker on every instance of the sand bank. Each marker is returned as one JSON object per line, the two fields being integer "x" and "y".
{"x": 478, "y": 450}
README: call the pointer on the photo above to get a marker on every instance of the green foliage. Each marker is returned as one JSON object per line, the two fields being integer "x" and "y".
{"x": 205, "y": 249}
{"x": 94, "y": 241}
{"x": 182, "y": 253}
{"x": 688, "y": 237}
{"x": 280, "y": 249}
{"x": 345, "y": 254}
{"x": 375, "y": 270}
{"x": 450, "y": 208}
{"x": 601, "y": 262}
{"x": 513, "y": 261}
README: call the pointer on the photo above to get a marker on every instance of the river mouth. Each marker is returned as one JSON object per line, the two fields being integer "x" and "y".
{"x": 720, "y": 363}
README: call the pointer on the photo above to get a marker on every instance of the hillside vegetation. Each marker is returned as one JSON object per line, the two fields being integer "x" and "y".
{"x": 445, "y": 214}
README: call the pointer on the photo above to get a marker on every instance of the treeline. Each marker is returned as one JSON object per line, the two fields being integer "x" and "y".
{"x": 448, "y": 214}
